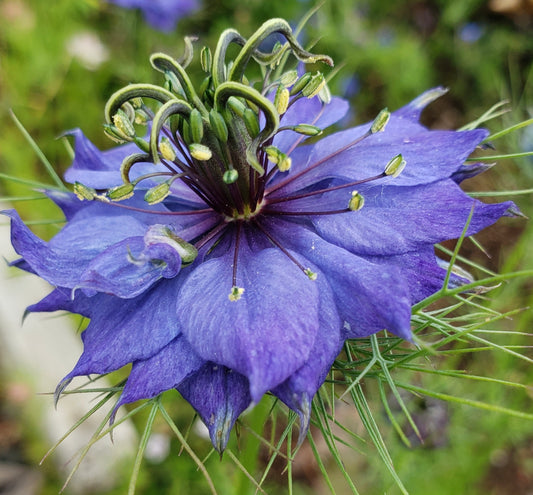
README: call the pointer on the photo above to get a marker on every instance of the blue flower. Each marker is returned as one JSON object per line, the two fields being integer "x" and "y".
{"x": 161, "y": 14}
{"x": 230, "y": 257}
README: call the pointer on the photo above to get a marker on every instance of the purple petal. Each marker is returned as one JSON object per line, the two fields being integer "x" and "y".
{"x": 62, "y": 261}
{"x": 122, "y": 331}
{"x": 397, "y": 220}
{"x": 267, "y": 334}
{"x": 370, "y": 297}
{"x": 300, "y": 388}
{"x": 219, "y": 395}
{"x": 163, "y": 371}
{"x": 430, "y": 155}
{"x": 130, "y": 267}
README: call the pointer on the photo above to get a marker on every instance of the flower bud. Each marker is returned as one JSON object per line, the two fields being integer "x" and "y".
{"x": 166, "y": 149}
{"x": 118, "y": 193}
{"x": 380, "y": 121}
{"x": 230, "y": 176}
{"x": 201, "y": 152}
{"x": 218, "y": 125}
{"x": 395, "y": 166}
{"x": 157, "y": 193}
{"x": 197, "y": 126}
{"x": 357, "y": 201}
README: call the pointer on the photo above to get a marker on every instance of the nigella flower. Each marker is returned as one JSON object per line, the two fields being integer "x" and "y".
{"x": 161, "y": 14}
{"x": 228, "y": 258}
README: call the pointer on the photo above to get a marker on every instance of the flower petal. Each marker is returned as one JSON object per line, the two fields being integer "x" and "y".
{"x": 219, "y": 395}
{"x": 370, "y": 297}
{"x": 122, "y": 331}
{"x": 163, "y": 371}
{"x": 300, "y": 388}
{"x": 267, "y": 334}
{"x": 128, "y": 268}
{"x": 62, "y": 261}
{"x": 396, "y": 220}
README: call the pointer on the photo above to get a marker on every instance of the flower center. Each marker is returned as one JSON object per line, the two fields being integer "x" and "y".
{"x": 219, "y": 141}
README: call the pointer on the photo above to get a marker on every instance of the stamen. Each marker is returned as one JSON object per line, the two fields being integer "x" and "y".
{"x": 325, "y": 190}
{"x": 377, "y": 125}
{"x": 307, "y": 271}
{"x": 236, "y": 254}
{"x": 304, "y": 213}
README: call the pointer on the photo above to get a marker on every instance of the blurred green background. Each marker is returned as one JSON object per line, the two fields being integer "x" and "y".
{"x": 61, "y": 60}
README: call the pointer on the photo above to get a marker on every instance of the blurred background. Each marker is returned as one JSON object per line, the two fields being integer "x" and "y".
{"x": 59, "y": 63}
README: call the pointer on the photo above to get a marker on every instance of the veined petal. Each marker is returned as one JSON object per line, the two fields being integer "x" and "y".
{"x": 62, "y": 260}
{"x": 397, "y": 220}
{"x": 300, "y": 388}
{"x": 430, "y": 155}
{"x": 219, "y": 395}
{"x": 268, "y": 333}
{"x": 370, "y": 297}
{"x": 122, "y": 331}
{"x": 163, "y": 371}
{"x": 421, "y": 271}
{"x": 130, "y": 267}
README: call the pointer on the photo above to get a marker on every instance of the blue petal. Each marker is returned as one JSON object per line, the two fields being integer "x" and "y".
{"x": 370, "y": 297}
{"x": 430, "y": 155}
{"x": 421, "y": 271}
{"x": 62, "y": 261}
{"x": 268, "y": 333}
{"x": 163, "y": 371}
{"x": 122, "y": 331}
{"x": 219, "y": 395}
{"x": 396, "y": 220}
{"x": 300, "y": 388}
{"x": 128, "y": 268}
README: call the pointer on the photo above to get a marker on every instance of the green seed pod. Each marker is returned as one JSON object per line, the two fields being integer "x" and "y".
{"x": 230, "y": 176}
{"x": 236, "y": 106}
{"x": 289, "y": 78}
{"x": 112, "y": 133}
{"x": 251, "y": 121}
{"x": 123, "y": 125}
{"x": 357, "y": 201}
{"x": 200, "y": 152}
{"x": 166, "y": 149}
{"x": 118, "y": 193}
{"x": 84, "y": 192}
{"x": 218, "y": 125}
{"x": 157, "y": 194}
{"x": 281, "y": 100}
{"x": 206, "y": 59}
{"x": 380, "y": 121}
{"x": 395, "y": 166}
{"x": 314, "y": 86}
{"x": 300, "y": 83}
{"x": 197, "y": 126}
{"x": 307, "y": 130}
